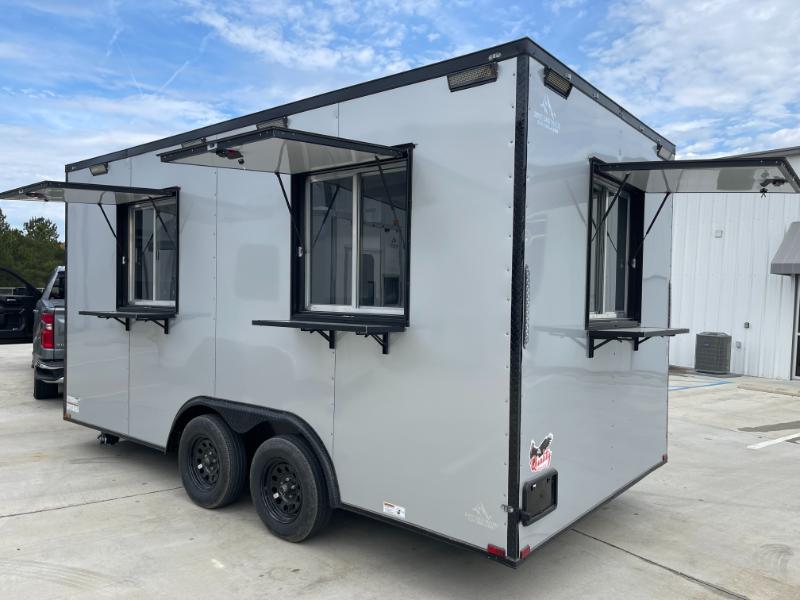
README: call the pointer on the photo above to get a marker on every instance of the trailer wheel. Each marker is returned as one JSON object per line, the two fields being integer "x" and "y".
{"x": 288, "y": 488}
{"x": 43, "y": 391}
{"x": 212, "y": 462}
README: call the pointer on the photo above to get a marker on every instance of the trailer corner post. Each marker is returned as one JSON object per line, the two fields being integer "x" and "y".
{"x": 517, "y": 299}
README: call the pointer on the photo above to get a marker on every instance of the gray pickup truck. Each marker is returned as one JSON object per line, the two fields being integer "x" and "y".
{"x": 49, "y": 332}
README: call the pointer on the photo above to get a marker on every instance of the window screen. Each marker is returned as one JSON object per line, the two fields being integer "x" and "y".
{"x": 331, "y": 249}
{"x": 383, "y": 224}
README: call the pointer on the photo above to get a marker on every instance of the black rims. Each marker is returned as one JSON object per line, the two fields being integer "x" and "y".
{"x": 283, "y": 493}
{"x": 205, "y": 462}
{"x": 212, "y": 461}
{"x": 288, "y": 488}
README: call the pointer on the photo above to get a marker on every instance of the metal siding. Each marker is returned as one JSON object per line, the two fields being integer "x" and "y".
{"x": 718, "y": 284}
{"x": 168, "y": 370}
{"x": 97, "y": 365}
{"x": 426, "y": 426}
{"x": 284, "y": 369}
{"x": 608, "y": 414}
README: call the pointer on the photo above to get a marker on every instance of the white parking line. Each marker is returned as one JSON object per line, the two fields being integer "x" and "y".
{"x": 785, "y": 438}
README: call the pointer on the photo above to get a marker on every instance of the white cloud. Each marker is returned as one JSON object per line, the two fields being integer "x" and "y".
{"x": 557, "y": 6}
{"x": 713, "y": 61}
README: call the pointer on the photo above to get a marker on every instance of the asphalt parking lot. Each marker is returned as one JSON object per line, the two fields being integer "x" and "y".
{"x": 81, "y": 520}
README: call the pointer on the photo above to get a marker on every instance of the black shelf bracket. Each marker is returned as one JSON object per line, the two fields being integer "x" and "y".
{"x": 593, "y": 346}
{"x": 163, "y": 323}
{"x": 635, "y": 335}
{"x": 126, "y": 322}
{"x": 124, "y": 318}
{"x": 382, "y": 339}
{"x": 330, "y": 336}
{"x": 327, "y": 329}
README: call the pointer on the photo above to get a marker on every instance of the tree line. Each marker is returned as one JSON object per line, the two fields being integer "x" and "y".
{"x": 32, "y": 252}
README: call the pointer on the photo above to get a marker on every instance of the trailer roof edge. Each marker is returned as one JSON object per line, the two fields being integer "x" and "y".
{"x": 523, "y": 46}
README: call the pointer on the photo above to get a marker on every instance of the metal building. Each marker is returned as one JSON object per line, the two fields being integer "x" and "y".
{"x": 735, "y": 268}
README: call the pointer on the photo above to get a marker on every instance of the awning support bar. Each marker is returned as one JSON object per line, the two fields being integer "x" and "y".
{"x": 325, "y": 218}
{"x": 291, "y": 216}
{"x": 610, "y": 206}
{"x": 108, "y": 222}
{"x": 649, "y": 227}
{"x": 161, "y": 220}
{"x": 394, "y": 212}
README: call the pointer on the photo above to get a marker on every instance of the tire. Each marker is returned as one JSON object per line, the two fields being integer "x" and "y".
{"x": 44, "y": 391}
{"x": 212, "y": 462}
{"x": 288, "y": 488}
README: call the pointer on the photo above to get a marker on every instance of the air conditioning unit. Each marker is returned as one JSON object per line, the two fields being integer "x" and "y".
{"x": 712, "y": 353}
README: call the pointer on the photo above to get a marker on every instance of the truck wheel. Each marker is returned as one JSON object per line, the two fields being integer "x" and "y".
{"x": 43, "y": 391}
{"x": 288, "y": 488}
{"x": 212, "y": 462}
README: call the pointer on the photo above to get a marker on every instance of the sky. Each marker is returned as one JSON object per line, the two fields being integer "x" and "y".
{"x": 82, "y": 79}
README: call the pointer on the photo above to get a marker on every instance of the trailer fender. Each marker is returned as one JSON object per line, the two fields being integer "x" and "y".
{"x": 243, "y": 418}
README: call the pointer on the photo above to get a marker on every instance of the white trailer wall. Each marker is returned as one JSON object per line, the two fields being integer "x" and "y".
{"x": 608, "y": 414}
{"x": 722, "y": 248}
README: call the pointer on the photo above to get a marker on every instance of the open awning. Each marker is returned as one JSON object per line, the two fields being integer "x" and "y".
{"x": 787, "y": 258}
{"x": 85, "y": 193}
{"x": 281, "y": 150}
{"x": 761, "y": 175}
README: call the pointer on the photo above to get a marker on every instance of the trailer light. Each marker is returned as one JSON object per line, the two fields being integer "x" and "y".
{"x": 525, "y": 552}
{"x": 279, "y": 122}
{"x": 556, "y": 82}
{"x": 99, "y": 169}
{"x": 496, "y": 550}
{"x": 471, "y": 77}
{"x": 664, "y": 153}
{"x": 46, "y": 337}
{"x": 193, "y": 143}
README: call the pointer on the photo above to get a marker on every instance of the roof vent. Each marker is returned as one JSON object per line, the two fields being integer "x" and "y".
{"x": 471, "y": 77}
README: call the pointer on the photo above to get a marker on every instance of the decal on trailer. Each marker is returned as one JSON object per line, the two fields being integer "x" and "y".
{"x": 73, "y": 405}
{"x": 541, "y": 454}
{"x": 480, "y": 516}
{"x": 394, "y": 510}
{"x": 546, "y": 117}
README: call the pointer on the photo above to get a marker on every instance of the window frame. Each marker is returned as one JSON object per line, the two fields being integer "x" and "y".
{"x": 126, "y": 252}
{"x": 301, "y": 306}
{"x": 633, "y": 275}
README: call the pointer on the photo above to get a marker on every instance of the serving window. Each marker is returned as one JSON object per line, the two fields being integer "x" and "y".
{"x": 356, "y": 241}
{"x": 148, "y": 265}
{"x": 615, "y": 257}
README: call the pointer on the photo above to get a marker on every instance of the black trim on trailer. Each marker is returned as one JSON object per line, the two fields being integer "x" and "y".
{"x": 505, "y": 560}
{"x": 517, "y": 303}
{"x": 517, "y": 48}
{"x": 243, "y": 417}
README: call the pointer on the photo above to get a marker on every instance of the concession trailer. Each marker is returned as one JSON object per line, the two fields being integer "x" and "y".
{"x": 439, "y": 299}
